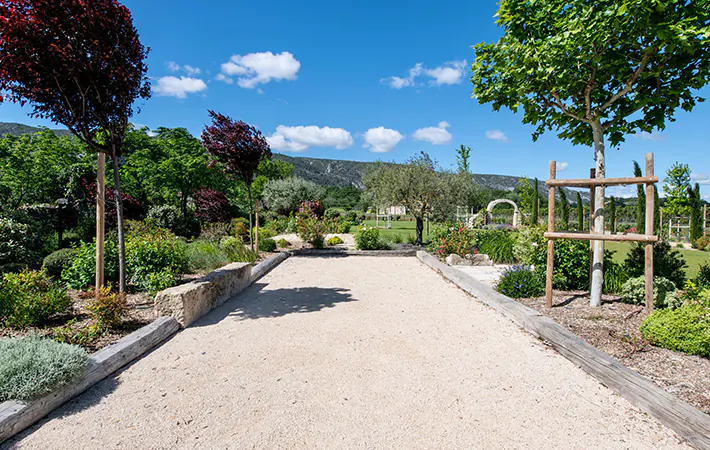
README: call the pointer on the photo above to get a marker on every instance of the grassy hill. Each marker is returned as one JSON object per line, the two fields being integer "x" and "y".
{"x": 332, "y": 172}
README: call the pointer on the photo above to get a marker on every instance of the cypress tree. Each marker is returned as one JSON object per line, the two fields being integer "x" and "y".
{"x": 580, "y": 213}
{"x": 612, "y": 215}
{"x": 564, "y": 211}
{"x": 535, "y": 211}
{"x": 696, "y": 213}
{"x": 640, "y": 202}
{"x": 656, "y": 212}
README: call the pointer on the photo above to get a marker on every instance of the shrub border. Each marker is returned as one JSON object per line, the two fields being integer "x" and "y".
{"x": 690, "y": 423}
{"x": 16, "y": 416}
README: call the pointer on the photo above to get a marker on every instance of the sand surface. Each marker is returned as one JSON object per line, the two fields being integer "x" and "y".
{"x": 353, "y": 352}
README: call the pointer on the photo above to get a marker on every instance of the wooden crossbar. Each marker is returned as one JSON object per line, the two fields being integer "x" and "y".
{"x": 584, "y": 236}
{"x": 584, "y": 182}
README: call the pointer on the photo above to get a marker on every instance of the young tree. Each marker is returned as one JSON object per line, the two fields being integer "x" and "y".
{"x": 416, "y": 185}
{"x": 238, "y": 148}
{"x": 463, "y": 154}
{"x": 676, "y": 187}
{"x": 580, "y": 212}
{"x": 536, "y": 203}
{"x": 564, "y": 210}
{"x": 640, "y": 202}
{"x": 527, "y": 197}
{"x": 612, "y": 215}
{"x": 696, "y": 213}
{"x": 596, "y": 71}
{"x": 80, "y": 64}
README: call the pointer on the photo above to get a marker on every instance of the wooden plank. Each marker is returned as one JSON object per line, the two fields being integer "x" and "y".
{"x": 584, "y": 182}
{"x": 584, "y": 236}
{"x": 650, "y": 200}
{"x": 689, "y": 423}
{"x": 17, "y": 416}
{"x": 551, "y": 242}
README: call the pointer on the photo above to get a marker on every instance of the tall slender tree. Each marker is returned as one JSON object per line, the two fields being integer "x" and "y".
{"x": 696, "y": 213}
{"x": 656, "y": 212}
{"x": 596, "y": 71}
{"x": 80, "y": 64}
{"x": 237, "y": 148}
{"x": 564, "y": 210}
{"x": 463, "y": 157}
{"x": 640, "y": 202}
{"x": 580, "y": 212}
{"x": 612, "y": 215}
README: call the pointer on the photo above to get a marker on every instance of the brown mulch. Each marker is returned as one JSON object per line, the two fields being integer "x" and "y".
{"x": 614, "y": 329}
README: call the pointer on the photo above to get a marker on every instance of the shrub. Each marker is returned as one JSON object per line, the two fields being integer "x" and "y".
{"x": 528, "y": 241}
{"x": 283, "y": 243}
{"x": 239, "y": 227}
{"x": 335, "y": 240}
{"x": 701, "y": 243}
{"x": 211, "y": 206}
{"x": 215, "y": 231}
{"x": 456, "y": 240}
{"x": 312, "y": 231}
{"x": 34, "y": 366}
{"x": 267, "y": 245}
{"x": 108, "y": 310}
{"x": 236, "y": 251}
{"x": 497, "y": 244}
{"x": 704, "y": 275}
{"x": 615, "y": 275}
{"x": 685, "y": 329}
{"x": 368, "y": 238}
{"x": 667, "y": 262}
{"x": 155, "y": 258}
{"x": 312, "y": 208}
{"x": 18, "y": 246}
{"x": 82, "y": 271}
{"x": 571, "y": 271}
{"x": 171, "y": 218}
{"x": 30, "y": 298}
{"x": 56, "y": 262}
{"x": 334, "y": 213}
{"x": 634, "y": 291}
{"x": 521, "y": 282}
{"x": 206, "y": 256}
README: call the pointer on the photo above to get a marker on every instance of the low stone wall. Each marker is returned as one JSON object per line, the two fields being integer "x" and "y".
{"x": 188, "y": 302}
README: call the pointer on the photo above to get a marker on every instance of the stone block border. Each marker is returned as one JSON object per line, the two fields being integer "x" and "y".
{"x": 17, "y": 416}
{"x": 688, "y": 422}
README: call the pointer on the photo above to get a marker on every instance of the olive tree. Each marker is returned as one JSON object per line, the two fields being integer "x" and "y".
{"x": 595, "y": 72}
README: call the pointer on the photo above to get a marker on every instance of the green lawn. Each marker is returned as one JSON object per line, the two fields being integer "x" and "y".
{"x": 694, "y": 258}
{"x": 403, "y": 228}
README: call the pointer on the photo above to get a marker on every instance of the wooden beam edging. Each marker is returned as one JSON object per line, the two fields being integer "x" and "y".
{"x": 17, "y": 416}
{"x": 688, "y": 422}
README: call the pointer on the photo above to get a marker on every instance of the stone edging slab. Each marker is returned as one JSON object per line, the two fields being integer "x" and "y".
{"x": 17, "y": 416}
{"x": 688, "y": 422}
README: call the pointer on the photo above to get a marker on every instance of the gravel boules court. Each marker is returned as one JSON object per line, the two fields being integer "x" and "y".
{"x": 350, "y": 352}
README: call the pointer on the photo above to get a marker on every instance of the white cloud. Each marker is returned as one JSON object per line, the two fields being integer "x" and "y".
{"x": 381, "y": 139}
{"x": 191, "y": 71}
{"x": 260, "y": 68}
{"x": 655, "y": 136}
{"x": 179, "y": 87}
{"x": 562, "y": 166}
{"x": 224, "y": 78}
{"x": 496, "y": 135}
{"x": 701, "y": 178}
{"x": 436, "y": 136}
{"x": 298, "y": 139}
{"x": 173, "y": 66}
{"x": 621, "y": 191}
{"x": 449, "y": 73}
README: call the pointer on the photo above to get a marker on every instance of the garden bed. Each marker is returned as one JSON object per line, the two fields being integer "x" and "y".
{"x": 614, "y": 329}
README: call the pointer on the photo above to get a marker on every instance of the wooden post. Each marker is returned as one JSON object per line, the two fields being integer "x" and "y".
{"x": 100, "y": 212}
{"x": 650, "y": 199}
{"x": 256, "y": 229}
{"x": 550, "y": 242}
{"x": 592, "y": 175}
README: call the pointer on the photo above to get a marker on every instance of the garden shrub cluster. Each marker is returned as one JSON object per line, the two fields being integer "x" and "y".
{"x": 33, "y": 366}
{"x": 17, "y": 245}
{"x": 634, "y": 291}
{"x": 56, "y": 262}
{"x": 312, "y": 231}
{"x": 236, "y": 251}
{"x": 685, "y": 329}
{"x": 31, "y": 298}
{"x": 267, "y": 245}
{"x": 667, "y": 262}
{"x": 521, "y": 282}
{"x": 368, "y": 238}
{"x": 108, "y": 310}
{"x": 335, "y": 240}
{"x": 458, "y": 239}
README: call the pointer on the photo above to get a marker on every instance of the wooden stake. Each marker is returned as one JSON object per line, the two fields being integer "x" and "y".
{"x": 650, "y": 199}
{"x": 256, "y": 229}
{"x": 100, "y": 212}
{"x": 550, "y": 242}
{"x": 592, "y": 175}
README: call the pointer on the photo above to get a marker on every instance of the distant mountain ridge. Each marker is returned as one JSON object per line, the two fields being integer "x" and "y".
{"x": 331, "y": 172}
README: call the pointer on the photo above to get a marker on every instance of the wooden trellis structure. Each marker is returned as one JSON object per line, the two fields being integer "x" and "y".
{"x": 649, "y": 238}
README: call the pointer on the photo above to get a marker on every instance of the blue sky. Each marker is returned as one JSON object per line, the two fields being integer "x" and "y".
{"x": 317, "y": 78}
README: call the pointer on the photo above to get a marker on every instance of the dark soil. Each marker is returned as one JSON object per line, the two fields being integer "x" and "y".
{"x": 614, "y": 329}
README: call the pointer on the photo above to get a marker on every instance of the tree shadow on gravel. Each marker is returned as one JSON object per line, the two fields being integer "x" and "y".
{"x": 257, "y": 303}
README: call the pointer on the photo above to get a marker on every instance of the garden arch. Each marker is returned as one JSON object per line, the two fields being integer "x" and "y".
{"x": 494, "y": 203}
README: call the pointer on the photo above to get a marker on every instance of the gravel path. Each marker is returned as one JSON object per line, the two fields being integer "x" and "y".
{"x": 351, "y": 352}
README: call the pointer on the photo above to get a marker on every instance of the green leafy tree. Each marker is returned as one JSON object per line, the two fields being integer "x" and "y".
{"x": 463, "y": 155}
{"x": 612, "y": 214}
{"x": 676, "y": 187}
{"x": 580, "y": 212}
{"x": 564, "y": 210}
{"x": 527, "y": 198}
{"x": 640, "y": 202}
{"x": 596, "y": 72}
{"x": 696, "y": 213}
{"x": 284, "y": 196}
{"x": 416, "y": 185}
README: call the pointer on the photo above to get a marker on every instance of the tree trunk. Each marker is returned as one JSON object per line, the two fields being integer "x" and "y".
{"x": 251, "y": 212}
{"x": 420, "y": 231}
{"x": 597, "y": 281}
{"x": 119, "y": 217}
